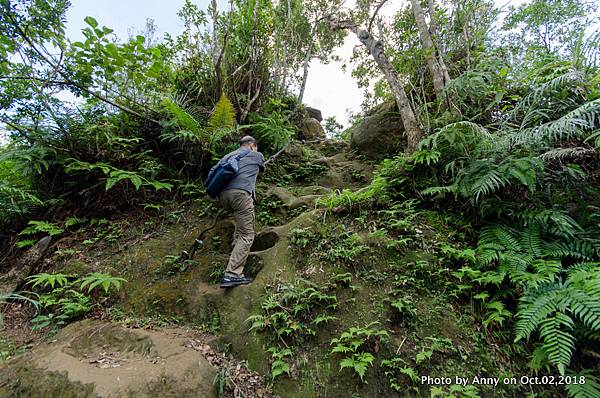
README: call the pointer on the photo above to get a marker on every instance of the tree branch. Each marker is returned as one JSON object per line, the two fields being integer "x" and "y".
{"x": 375, "y": 14}
{"x": 62, "y": 74}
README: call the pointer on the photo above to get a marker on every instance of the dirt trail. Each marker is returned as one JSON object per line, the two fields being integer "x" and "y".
{"x": 94, "y": 358}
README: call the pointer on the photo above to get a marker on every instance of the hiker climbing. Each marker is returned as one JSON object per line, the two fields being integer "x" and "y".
{"x": 233, "y": 181}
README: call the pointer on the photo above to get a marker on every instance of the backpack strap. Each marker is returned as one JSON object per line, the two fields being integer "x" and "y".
{"x": 243, "y": 155}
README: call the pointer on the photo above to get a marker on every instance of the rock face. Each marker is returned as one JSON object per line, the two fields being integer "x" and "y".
{"x": 14, "y": 280}
{"x": 379, "y": 134}
{"x": 308, "y": 123}
{"x": 314, "y": 113}
{"x": 311, "y": 129}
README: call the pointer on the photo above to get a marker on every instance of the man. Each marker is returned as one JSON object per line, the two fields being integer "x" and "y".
{"x": 238, "y": 197}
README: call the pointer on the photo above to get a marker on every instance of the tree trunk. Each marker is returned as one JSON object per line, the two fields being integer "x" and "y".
{"x": 430, "y": 51}
{"x": 375, "y": 47}
{"x": 433, "y": 21}
{"x": 436, "y": 43}
{"x": 216, "y": 52}
{"x": 306, "y": 62}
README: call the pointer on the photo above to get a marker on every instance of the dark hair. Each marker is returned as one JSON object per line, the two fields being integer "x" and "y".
{"x": 247, "y": 139}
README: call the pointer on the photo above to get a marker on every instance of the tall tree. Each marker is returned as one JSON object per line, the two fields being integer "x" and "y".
{"x": 123, "y": 76}
{"x": 433, "y": 30}
{"x": 300, "y": 35}
{"x": 542, "y": 29}
{"x": 321, "y": 40}
{"x": 431, "y": 53}
{"x": 375, "y": 48}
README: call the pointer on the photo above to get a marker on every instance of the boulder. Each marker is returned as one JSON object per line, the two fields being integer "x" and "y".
{"x": 314, "y": 113}
{"x": 379, "y": 134}
{"x": 281, "y": 194}
{"x": 311, "y": 129}
{"x": 314, "y": 190}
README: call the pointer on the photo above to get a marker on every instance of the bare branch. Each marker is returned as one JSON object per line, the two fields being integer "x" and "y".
{"x": 375, "y": 14}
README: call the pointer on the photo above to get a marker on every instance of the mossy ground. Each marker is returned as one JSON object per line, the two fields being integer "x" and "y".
{"x": 395, "y": 269}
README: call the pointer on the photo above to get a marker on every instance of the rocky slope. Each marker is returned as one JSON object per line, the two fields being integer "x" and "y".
{"x": 324, "y": 278}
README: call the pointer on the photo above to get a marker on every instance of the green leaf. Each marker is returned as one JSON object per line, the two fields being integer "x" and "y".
{"x": 278, "y": 367}
{"x": 360, "y": 368}
{"x": 25, "y": 243}
{"x": 346, "y": 363}
{"x": 110, "y": 182}
{"x": 91, "y": 21}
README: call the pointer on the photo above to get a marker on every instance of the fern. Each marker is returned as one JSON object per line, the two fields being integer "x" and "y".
{"x": 114, "y": 175}
{"x": 96, "y": 279}
{"x": 21, "y": 296}
{"x": 456, "y": 139}
{"x": 572, "y": 125}
{"x": 35, "y": 227}
{"x": 556, "y": 221}
{"x": 558, "y": 341}
{"x": 553, "y": 308}
{"x": 223, "y": 115}
{"x": 51, "y": 280}
{"x": 272, "y": 131}
{"x": 587, "y": 385}
{"x": 181, "y": 117}
{"x": 524, "y": 170}
{"x": 566, "y": 153}
{"x": 540, "y": 94}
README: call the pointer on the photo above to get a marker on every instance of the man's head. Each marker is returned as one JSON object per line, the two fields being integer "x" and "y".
{"x": 249, "y": 142}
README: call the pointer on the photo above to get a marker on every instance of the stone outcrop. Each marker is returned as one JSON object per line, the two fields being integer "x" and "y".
{"x": 311, "y": 129}
{"x": 314, "y": 113}
{"x": 308, "y": 122}
{"x": 379, "y": 134}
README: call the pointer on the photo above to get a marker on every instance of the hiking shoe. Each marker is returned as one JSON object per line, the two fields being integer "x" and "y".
{"x": 232, "y": 281}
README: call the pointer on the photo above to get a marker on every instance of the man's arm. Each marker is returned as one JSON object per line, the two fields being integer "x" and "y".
{"x": 261, "y": 164}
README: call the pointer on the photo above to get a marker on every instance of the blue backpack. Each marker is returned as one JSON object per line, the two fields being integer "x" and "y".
{"x": 223, "y": 172}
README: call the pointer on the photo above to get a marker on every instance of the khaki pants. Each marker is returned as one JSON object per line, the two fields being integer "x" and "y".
{"x": 240, "y": 203}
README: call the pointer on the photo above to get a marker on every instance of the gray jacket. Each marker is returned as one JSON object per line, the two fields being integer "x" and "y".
{"x": 249, "y": 166}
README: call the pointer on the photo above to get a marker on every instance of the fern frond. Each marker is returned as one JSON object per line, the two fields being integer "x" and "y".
{"x": 535, "y": 306}
{"x": 556, "y": 221}
{"x": 558, "y": 342}
{"x": 523, "y": 170}
{"x": 574, "y": 124}
{"x": 582, "y": 248}
{"x": 532, "y": 240}
{"x": 456, "y": 139}
{"x": 487, "y": 183}
{"x": 439, "y": 190}
{"x": 488, "y": 253}
{"x": 581, "y": 272}
{"x": 223, "y": 115}
{"x": 500, "y": 234}
{"x": 541, "y": 93}
{"x": 590, "y": 388}
{"x": 566, "y": 153}
{"x": 182, "y": 118}
{"x": 530, "y": 279}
